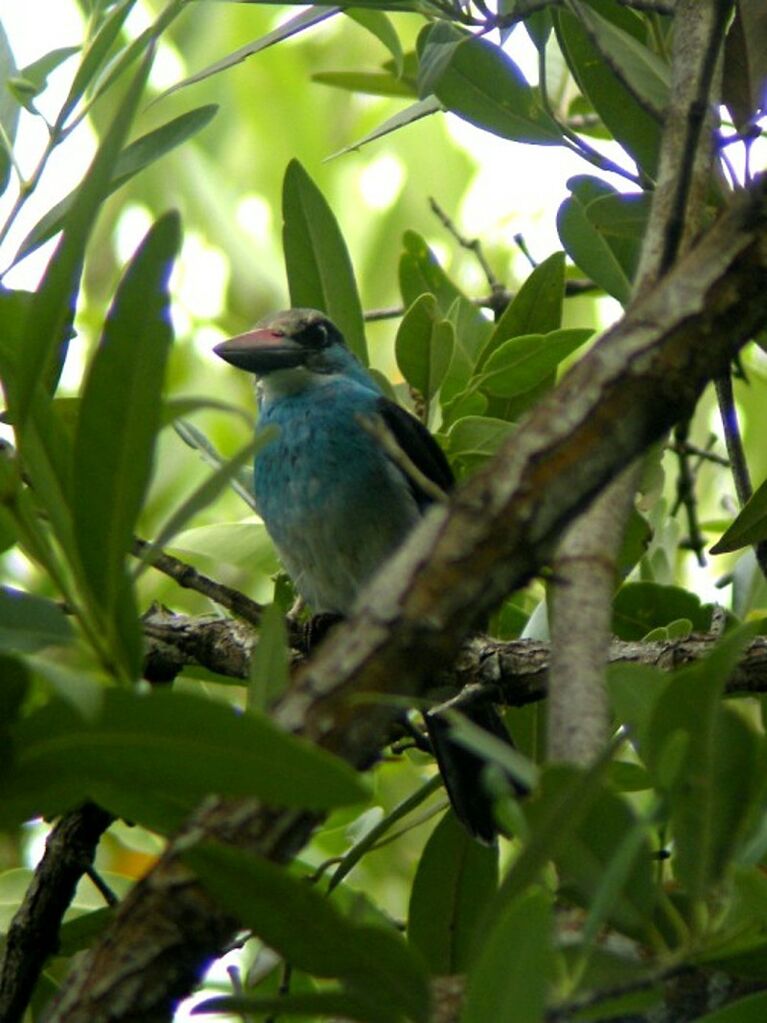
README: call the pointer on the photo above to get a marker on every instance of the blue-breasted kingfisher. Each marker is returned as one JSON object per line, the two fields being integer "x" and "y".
{"x": 335, "y": 502}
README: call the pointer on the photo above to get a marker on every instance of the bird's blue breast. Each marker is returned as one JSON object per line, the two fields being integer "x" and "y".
{"x": 333, "y": 502}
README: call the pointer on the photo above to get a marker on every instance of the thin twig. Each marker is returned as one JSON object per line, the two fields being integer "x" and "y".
{"x": 685, "y": 447}
{"x": 188, "y": 577}
{"x": 738, "y": 464}
{"x": 685, "y": 493}
{"x": 473, "y": 245}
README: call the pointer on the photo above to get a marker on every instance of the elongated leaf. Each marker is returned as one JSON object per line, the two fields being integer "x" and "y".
{"x": 421, "y": 273}
{"x": 454, "y": 883}
{"x": 626, "y": 120}
{"x": 377, "y": 23}
{"x": 9, "y": 109}
{"x": 31, "y": 80}
{"x": 749, "y": 527}
{"x": 306, "y": 19}
{"x": 584, "y": 243}
{"x": 120, "y": 415}
{"x": 206, "y": 493}
{"x": 646, "y": 76}
{"x": 320, "y": 274}
{"x": 28, "y": 622}
{"x": 473, "y": 439}
{"x": 141, "y": 753}
{"x": 134, "y": 158}
{"x": 50, "y": 317}
{"x": 242, "y": 545}
{"x": 595, "y": 849}
{"x": 411, "y": 114}
{"x": 242, "y": 481}
{"x": 373, "y": 83}
{"x": 95, "y": 55}
{"x": 375, "y": 834}
{"x": 750, "y": 1009}
{"x": 535, "y": 309}
{"x": 304, "y": 927}
{"x": 522, "y": 362}
{"x": 705, "y": 757}
{"x": 269, "y": 661}
{"x": 477, "y": 80}
{"x": 572, "y": 794}
{"x": 515, "y": 964}
{"x": 424, "y": 346}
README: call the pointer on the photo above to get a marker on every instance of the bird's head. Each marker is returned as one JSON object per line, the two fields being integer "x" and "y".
{"x": 300, "y": 340}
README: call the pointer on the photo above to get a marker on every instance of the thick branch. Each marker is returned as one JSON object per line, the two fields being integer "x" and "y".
{"x": 34, "y": 932}
{"x": 511, "y": 672}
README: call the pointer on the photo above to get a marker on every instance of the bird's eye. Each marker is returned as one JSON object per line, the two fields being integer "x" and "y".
{"x": 315, "y": 335}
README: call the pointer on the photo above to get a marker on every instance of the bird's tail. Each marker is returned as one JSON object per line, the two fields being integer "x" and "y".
{"x": 462, "y": 769}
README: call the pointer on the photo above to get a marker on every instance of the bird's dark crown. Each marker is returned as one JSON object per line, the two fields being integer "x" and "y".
{"x": 308, "y": 327}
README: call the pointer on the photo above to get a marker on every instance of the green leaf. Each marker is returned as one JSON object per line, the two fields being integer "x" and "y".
{"x": 571, "y": 792}
{"x": 50, "y": 317}
{"x": 455, "y": 881}
{"x": 269, "y": 660}
{"x": 307, "y": 930}
{"x": 320, "y": 274}
{"x": 750, "y": 1009}
{"x": 420, "y": 272}
{"x": 13, "y": 888}
{"x": 16, "y": 679}
{"x": 29, "y": 623}
{"x": 607, "y": 865}
{"x": 749, "y": 526}
{"x": 634, "y": 691}
{"x": 95, "y": 55}
{"x": 375, "y": 834}
{"x": 473, "y": 439}
{"x": 117, "y": 426}
{"x": 153, "y": 757}
{"x": 377, "y": 23}
{"x": 515, "y": 964}
{"x": 298, "y": 23}
{"x": 80, "y": 933}
{"x": 424, "y": 346}
{"x": 479, "y": 82}
{"x": 705, "y": 757}
{"x": 371, "y": 82}
{"x": 134, "y": 158}
{"x": 245, "y": 546}
{"x": 411, "y": 114}
{"x": 206, "y": 493}
{"x": 241, "y": 482}
{"x": 586, "y": 245}
{"x": 644, "y": 73}
{"x": 535, "y": 309}
{"x": 627, "y": 121}
{"x": 640, "y": 607}
{"x": 31, "y": 80}
{"x": 9, "y": 109}
{"x": 522, "y": 362}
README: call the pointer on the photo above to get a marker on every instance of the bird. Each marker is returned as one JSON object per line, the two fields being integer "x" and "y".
{"x": 336, "y": 503}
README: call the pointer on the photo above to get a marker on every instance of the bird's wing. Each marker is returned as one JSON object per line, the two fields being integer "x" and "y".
{"x": 420, "y": 447}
